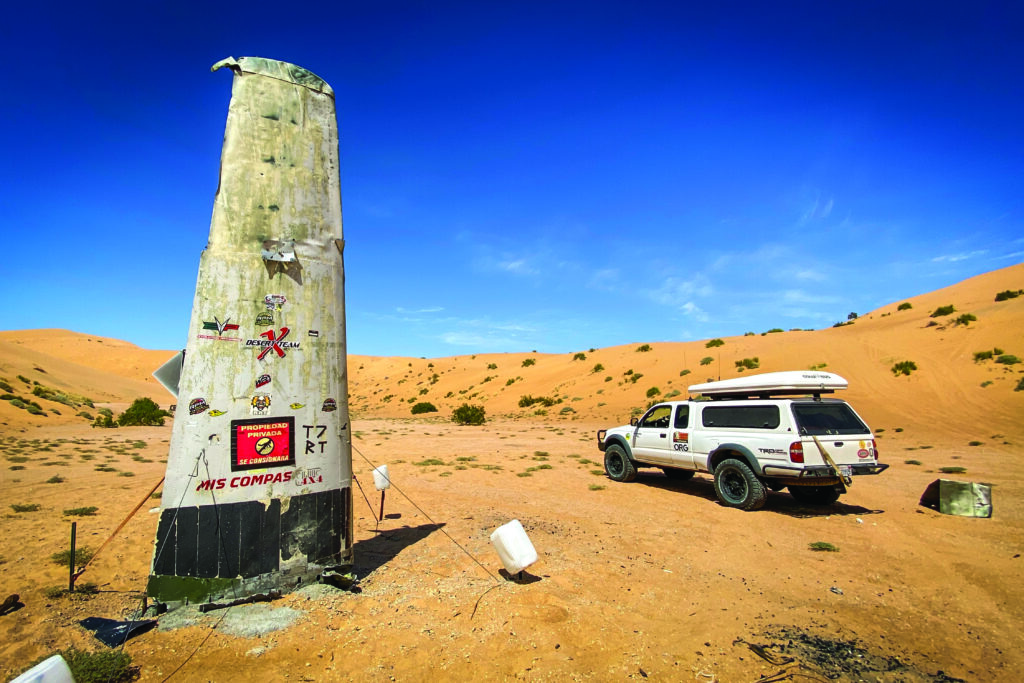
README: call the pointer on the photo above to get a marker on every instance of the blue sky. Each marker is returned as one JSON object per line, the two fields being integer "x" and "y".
{"x": 528, "y": 176}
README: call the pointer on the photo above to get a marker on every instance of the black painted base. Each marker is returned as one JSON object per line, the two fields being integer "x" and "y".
{"x": 237, "y": 549}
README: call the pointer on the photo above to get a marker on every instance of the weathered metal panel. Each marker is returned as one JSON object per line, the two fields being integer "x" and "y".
{"x": 262, "y": 424}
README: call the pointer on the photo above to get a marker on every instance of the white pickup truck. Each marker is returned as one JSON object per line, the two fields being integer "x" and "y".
{"x": 754, "y": 433}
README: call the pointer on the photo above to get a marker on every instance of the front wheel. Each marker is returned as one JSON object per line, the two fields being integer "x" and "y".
{"x": 738, "y": 487}
{"x": 815, "y": 495}
{"x": 618, "y": 465}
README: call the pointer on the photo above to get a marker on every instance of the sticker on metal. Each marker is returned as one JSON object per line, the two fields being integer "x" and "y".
{"x": 274, "y": 301}
{"x": 197, "y": 405}
{"x": 260, "y": 404}
{"x": 265, "y": 319}
{"x": 262, "y": 381}
{"x": 220, "y": 328}
{"x": 329, "y": 406}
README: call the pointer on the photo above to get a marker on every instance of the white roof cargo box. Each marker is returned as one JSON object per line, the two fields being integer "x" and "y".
{"x": 773, "y": 384}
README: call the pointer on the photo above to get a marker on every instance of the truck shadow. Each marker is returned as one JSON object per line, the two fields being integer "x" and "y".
{"x": 373, "y": 553}
{"x": 779, "y": 502}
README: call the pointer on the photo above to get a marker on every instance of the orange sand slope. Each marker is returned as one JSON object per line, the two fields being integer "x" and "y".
{"x": 948, "y": 386}
{"x": 607, "y": 384}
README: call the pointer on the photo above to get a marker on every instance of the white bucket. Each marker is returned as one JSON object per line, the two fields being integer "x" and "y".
{"x": 380, "y": 478}
{"x": 51, "y": 670}
{"x": 514, "y": 547}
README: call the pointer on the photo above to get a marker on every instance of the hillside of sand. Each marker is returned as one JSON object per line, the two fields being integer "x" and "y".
{"x": 651, "y": 580}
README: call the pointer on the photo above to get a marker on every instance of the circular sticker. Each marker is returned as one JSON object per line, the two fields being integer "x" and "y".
{"x": 863, "y": 453}
{"x": 264, "y": 446}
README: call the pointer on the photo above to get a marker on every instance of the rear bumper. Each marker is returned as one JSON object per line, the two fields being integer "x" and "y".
{"x": 818, "y": 472}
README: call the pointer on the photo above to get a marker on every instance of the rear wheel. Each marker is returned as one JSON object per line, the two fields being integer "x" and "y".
{"x": 815, "y": 495}
{"x": 618, "y": 465}
{"x": 738, "y": 487}
{"x": 676, "y": 474}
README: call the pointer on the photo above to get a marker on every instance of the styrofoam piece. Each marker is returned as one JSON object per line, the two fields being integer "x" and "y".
{"x": 380, "y": 478}
{"x": 51, "y": 670}
{"x": 514, "y": 547}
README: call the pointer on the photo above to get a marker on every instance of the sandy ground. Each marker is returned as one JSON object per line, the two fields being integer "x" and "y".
{"x": 650, "y": 579}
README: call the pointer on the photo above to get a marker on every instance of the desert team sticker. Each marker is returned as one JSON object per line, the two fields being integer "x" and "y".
{"x": 262, "y": 381}
{"x": 267, "y": 442}
{"x": 197, "y": 405}
{"x": 273, "y": 341}
{"x": 260, "y": 404}
{"x": 219, "y": 330}
{"x": 329, "y": 406}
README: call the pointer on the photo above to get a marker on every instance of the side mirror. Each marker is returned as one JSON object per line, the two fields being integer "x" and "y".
{"x": 633, "y": 421}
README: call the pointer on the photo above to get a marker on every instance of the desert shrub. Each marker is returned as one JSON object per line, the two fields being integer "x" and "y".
{"x": 904, "y": 367}
{"x": 628, "y": 372}
{"x": 911, "y": 462}
{"x": 997, "y": 351}
{"x": 707, "y": 360}
{"x": 469, "y": 415}
{"x": 748, "y": 363}
{"x": 982, "y": 355}
{"x": 492, "y": 366}
{"x": 430, "y": 462}
{"x": 774, "y": 330}
{"x": 1008, "y": 294}
{"x": 1008, "y": 359}
{"x": 1020, "y": 385}
{"x": 643, "y": 348}
{"x": 748, "y": 334}
{"x": 566, "y": 410}
{"x": 579, "y": 356}
{"x": 24, "y": 379}
{"x": 527, "y": 362}
{"x": 81, "y": 512}
{"x": 142, "y": 412}
{"x": 653, "y": 391}
{"x": 55, "y": 479}
{"x": 86, "y": 415}
{"x": 82, "y": 555}
{"x": 526, "y": 401}
{"x": 953, "y": 470}
{"x": 713, "y": 343}
{"x": 598, "y": 368}
{"x": 424, "y": 407}
{"x": 5, "y": 386}
{"x": 104, "y": 421}
{"x": 974, "y": 443}
{"x": 905, "y": 306}
{"x": 851, "y": 316}
{"x": 635, "y": 377}
{"x": 823, "y": 547}
{"x": 106, "y": 666}
{"x": 943, "y": 310}
{"x": 25, "y": 507}
{"x": 684, "y": 373}
{"x": 965, "y": 319}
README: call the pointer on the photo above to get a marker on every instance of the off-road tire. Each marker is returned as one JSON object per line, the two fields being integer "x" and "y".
{"x": 737, "y": 486}
{"x": 677, "y": 474}
{"x": 617, "y": 464}
{"x": 815, "y": 495}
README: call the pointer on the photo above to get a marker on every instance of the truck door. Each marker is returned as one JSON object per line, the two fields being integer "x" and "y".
{"x": 651, "y": 443}
{"x": 681, "y": 454}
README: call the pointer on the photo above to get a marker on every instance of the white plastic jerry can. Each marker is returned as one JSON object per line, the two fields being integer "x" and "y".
{"x": 513, "y": 547}
{"x": 51, "y": 670}
{"x": 380, "y": 478}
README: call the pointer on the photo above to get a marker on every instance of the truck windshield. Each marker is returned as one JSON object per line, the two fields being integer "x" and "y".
{"x": 818, "y": 419}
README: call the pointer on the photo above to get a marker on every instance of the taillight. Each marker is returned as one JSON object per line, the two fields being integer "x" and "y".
{"x": 874, "y": 448}
{"x": 796, "y": 451}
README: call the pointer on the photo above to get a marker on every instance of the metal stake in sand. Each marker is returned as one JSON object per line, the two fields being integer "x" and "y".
{"x": 71, "y": 561}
